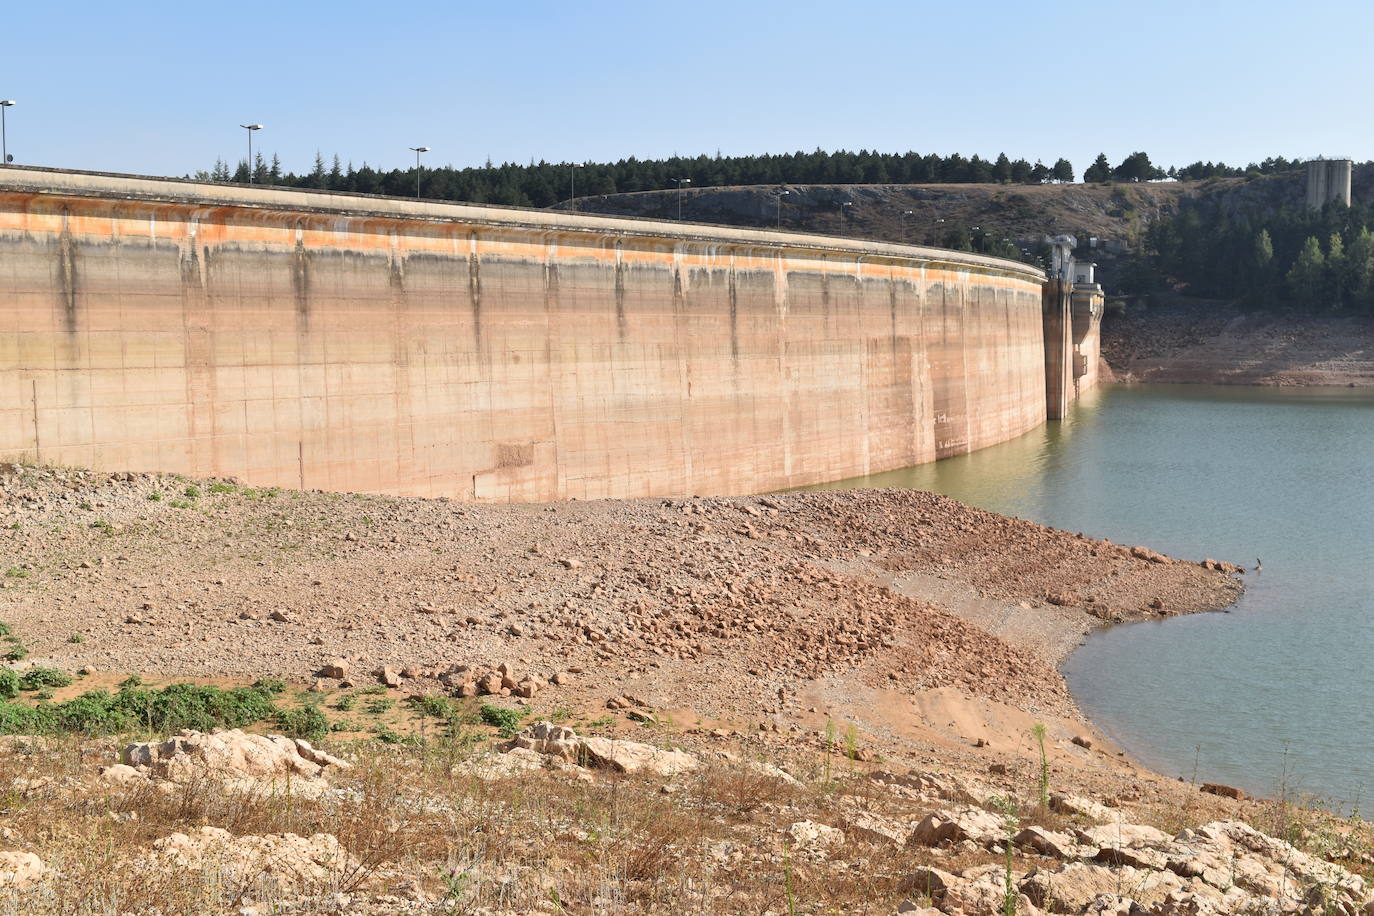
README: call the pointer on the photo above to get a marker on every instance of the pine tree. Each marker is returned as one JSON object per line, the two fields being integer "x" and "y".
{"x": 1307, "y": 275}
{"x": 1359, "y": 266}
{"x": 1001, "y": 169}
{"x": 1336, "y": 272}
{"x": 1099, "y": 171}
{"x": 1063, "y": 170}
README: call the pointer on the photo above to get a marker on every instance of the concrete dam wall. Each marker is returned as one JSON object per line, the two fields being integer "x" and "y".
{"x": 318, "y": 340}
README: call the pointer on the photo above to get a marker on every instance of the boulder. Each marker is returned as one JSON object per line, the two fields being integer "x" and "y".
{"x": 234, "y": 758}
{"x": 1073, "y": 887}
{"x": 633, "y": 757}
{"x": 1078, "y": 806}
{"x": 945, "y": 828}
{"x": 338, "y": 668}
{"x": 269, "y": 865}
{"x": 606, "y": 753}
{"x": 513, "y": 763}
{"x": 122, "y": 775}
{"x": 811, "y": 835}
{"x": 1121, "y": 835}
{"x": 1050, "y": 843}
{"x": 928, "y": 883}
{"x": 20, "y": 869}
{"x": 870, "y": 828}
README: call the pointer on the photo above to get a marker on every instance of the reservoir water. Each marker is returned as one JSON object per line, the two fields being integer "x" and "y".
{"x": 1276, "y": 694}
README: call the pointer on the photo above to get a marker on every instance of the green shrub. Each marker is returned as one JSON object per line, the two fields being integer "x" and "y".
{"x": 304, "y": 722}
{"x": 221, "y": 487}
{"x": 273, "y": 685}
{"x": 191, "y": 492}
{"x": 507, "y": 721}
{"x": 438, "y": 707}
{"x": 346, "y": 702}
{"x": 17, "y": 652}
{"x": 38, "y": 678}
{"x": 9, "y": 684}
{"x": 155, "y": 496}
{"x": 22, "y": 719}
{"x": 76, "y": 637}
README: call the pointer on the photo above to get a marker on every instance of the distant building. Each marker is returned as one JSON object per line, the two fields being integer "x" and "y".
{"x": 1083, "y": 272}
{"x": 1328, "y": 180}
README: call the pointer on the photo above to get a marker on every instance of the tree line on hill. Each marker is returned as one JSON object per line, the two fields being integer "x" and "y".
{"x": 1313, "y": 261}
{"x": 543, "y": 184}
{"x": 1138, "y": 167}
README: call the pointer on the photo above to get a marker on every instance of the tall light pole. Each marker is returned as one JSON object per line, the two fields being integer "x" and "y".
{"x": 4, "y": 141}
{"x": 680, "y": 183}
{"x": 781, "y": 195}
{"x": 905, "y": 214}
{"x": 250, "y": 128}
{"x": 418, "y": 150}
{"x": 572, "y": 184}
{"x": 847, "y": 203}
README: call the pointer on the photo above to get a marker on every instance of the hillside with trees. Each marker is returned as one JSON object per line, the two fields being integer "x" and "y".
{"x": 544, "y": 184}
{"x": 1258, "y": 244}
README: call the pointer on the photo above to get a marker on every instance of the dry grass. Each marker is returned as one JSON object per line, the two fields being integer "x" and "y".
{"x": 423, "y": 838}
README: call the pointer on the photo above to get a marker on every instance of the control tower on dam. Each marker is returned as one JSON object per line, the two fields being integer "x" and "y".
{"x": 347, "y": 342}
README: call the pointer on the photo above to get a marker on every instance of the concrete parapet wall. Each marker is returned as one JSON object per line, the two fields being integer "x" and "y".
{"x": 312, "y": 339}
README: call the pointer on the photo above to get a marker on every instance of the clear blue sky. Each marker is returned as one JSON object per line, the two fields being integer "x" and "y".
{"x": 160, "y": 88}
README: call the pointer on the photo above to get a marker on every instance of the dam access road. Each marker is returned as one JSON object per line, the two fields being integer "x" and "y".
{"x": 344, "y": 342}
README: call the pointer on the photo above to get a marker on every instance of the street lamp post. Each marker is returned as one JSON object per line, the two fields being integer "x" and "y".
{"x": 905, "y": 214}
{"x": 572, "y": 184}
{"x": 680, "y": 183}
{"x": 847, "y": 203}
{"x": 418, "y": 150}
{"x": 250, "y": 128}
{"x": 4, "y": 141}
{"x": 781, "y": 195}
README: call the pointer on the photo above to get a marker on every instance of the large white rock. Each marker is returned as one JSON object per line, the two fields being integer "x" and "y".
{"x": 20, "y": 869}
{"x": 607, "y": 753}
{"x": 945, "y": 828}
{"x": 234, "y": 758}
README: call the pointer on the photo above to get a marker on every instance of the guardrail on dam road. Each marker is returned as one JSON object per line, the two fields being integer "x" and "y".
{"x": 320, "y": 340}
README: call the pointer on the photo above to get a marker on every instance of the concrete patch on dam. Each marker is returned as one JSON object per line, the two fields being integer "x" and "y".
{"x": 345, "y": 342}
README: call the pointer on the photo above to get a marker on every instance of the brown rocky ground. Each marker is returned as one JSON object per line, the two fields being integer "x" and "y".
{"x": 725, "y": 601}
{"x": 892, "y": 651}
{"x": 1203, "y": 342}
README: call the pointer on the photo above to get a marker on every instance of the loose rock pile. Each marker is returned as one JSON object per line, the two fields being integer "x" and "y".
{"x": 1130, "y": 869}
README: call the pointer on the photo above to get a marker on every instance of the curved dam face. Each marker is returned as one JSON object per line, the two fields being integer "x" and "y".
{"x": 317, "y": 340}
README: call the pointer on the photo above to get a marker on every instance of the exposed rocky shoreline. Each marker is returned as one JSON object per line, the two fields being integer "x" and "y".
{"x": 873, "y": 670}
{"x": 1197, "y": 342}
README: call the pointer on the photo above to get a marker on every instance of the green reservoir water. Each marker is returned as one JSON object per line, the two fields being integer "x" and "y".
{"x": 1279, "y": 691}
